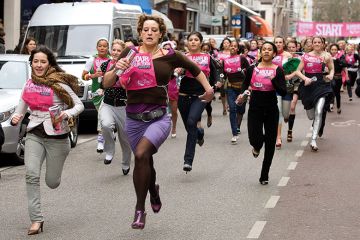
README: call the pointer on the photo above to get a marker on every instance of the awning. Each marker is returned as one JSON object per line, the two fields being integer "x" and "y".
{"x": 264, "y": 30}
{"x": 248, "y": 11}
{"x": 254, "y": 20}
{"x": 144, "y": 4}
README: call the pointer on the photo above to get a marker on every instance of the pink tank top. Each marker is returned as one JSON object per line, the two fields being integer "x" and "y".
{"x": 98, "y": 61}
{"x": 203, "y": 62}
{"x": 261, "y": 79}
{"x": 278, "y": 60}
{"x": 312, "y": 64}
{"x": 254, "y": 53}
{"x": 232, "y": 64}
{"x": 38, "y": 97}
{"x": 223, "y": 56}
{"x": 140, "y": 74}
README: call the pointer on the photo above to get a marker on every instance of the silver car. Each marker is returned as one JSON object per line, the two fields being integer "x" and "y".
{"x": 14, "y": 71}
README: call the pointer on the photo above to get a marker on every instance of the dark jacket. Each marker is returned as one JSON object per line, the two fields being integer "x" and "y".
{"x": 2, "y": 46}
{"x": 2, "y": 137}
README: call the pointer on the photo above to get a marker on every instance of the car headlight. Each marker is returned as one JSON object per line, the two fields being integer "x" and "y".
{"x": 4, "y": 116}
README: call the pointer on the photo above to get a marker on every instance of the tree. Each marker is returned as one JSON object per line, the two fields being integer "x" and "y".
{"x": 336, "y": 10}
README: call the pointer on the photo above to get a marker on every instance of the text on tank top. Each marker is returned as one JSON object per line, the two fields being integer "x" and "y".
{"x": 261, "y": 79}
{"x": 140, "y": 74}
{"x": 312, "y": 64}
{"x": 38, "y": 97}
{"x": 203, "y": 62}
{"x": 232, "y": 64}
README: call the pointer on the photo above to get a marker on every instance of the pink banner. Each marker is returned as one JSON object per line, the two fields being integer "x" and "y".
{"x": 327, "y": 29}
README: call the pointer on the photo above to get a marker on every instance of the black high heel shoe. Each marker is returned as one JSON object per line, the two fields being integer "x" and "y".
{"x": 255, "y": 153}
{"x": 38, "y": 230}
{"x": 126, "y": 171}
{"x": 155, "y": 201}
{"x": 264, "y": 181}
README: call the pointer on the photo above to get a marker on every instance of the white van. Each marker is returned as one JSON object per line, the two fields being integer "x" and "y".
{"x": 71, "y": 31}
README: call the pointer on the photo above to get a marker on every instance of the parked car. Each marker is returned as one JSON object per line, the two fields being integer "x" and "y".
{"x": 14, "y": 71}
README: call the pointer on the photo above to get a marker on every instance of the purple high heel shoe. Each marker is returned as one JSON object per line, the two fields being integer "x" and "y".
{"x": 155, "y": 201}
{"x": 139, "y": 220}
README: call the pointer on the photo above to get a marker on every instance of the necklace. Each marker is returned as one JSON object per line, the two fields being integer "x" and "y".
{"x": 153, "y": 52}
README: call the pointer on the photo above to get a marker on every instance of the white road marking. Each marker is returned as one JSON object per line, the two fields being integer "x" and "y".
{"x": 84, "y": 140}
{"x": 299, "y": 153}
{"x": 256, "y": 229}
{"x": 292, "y": 166}
{"x": 271, "y": 203}
{"x": 304, "y": 143}
{"x": 308, "y": 135}
{"x": 4, "y": 168}
{"x": 283, "y": 181}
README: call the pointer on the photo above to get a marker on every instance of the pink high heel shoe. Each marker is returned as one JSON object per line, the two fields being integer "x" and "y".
{"x": 139, "y": 220}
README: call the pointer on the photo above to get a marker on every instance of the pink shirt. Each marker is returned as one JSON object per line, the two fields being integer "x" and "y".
{"x": 261, "y": 79}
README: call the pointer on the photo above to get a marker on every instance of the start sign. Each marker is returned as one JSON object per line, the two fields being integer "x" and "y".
{"x": 328, "y": 29}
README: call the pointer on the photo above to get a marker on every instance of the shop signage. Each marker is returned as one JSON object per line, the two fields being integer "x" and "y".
{"x": 236, "y": 21}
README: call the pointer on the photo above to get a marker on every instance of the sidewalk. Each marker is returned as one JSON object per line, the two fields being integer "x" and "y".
{"x": 322, "y": 198}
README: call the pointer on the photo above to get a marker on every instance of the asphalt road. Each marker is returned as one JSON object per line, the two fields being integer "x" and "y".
{"x": 220, "y": 199}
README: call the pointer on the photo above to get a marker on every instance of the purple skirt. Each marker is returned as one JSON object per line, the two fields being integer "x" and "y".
{"x": 155, "y": 131}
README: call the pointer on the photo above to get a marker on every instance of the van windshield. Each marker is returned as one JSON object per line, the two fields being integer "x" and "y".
{"x": 70, "y": 40}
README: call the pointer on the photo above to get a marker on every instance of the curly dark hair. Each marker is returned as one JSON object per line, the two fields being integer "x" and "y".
{"x": 273, "y": 46}
{"x": 159, "y": 20}
{"x": 50, "y": 56}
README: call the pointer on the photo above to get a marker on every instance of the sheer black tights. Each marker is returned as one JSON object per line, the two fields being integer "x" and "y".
{"x": 144, "y": 176}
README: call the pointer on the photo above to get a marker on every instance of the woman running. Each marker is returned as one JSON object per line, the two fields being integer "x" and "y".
{"x": 284, "y": 102}
{"x": 223, "y": 54}
{"x": 47, "y": 134}
{"x": 266, "y": 80}
{"x": 315, "y": 87}
{"x": 93, "y": 72}
{"x": 190, "y": 105}
{"x": 293, "y": 83}
{"x": 147, "y": 124}
{"x": 234, "y": 70}
{"x": 112, "y": 113}
{"x": 352, "y": 60}
{"x": 339, "y": 65}
{"x": 173, "y": 92}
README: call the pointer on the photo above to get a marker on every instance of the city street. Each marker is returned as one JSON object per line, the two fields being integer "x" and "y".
{"x": 310, "y": 195}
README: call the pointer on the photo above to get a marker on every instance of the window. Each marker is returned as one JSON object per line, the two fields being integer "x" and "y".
{"x": 70, "y": 40}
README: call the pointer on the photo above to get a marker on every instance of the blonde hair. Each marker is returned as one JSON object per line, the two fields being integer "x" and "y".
{"x": 118, "y": 41}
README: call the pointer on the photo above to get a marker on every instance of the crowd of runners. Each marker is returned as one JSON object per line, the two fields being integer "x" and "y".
{"x": 138, "y": 89}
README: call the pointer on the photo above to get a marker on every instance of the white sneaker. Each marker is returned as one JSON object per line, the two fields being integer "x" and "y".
{"x": 234, "y": 140}
{"x": 109, "y": 157}
{"x": 313, "y": 146}
{"x": 100, "y": 147}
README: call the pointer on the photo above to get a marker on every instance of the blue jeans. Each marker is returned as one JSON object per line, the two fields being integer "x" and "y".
{"x": 232, "y": 94}
{"x": 191, "y": 108}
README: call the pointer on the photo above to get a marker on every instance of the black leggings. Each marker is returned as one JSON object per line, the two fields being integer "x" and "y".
{"x": 350, "y": 83}
{"x": 336, "y": 86}
{"x": 208, "y": 109}
{"x": 266, "y": 118}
